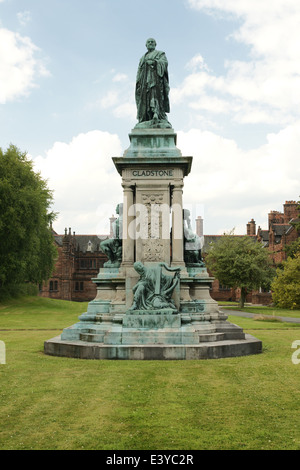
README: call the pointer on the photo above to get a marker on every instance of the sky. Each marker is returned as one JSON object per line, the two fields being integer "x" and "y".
{"x": 67, "y": 80}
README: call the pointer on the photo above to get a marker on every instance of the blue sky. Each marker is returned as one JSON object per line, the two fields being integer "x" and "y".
{"x": 67, "y": 77}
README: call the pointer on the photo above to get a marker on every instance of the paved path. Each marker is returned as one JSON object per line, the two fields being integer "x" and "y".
{"x": 251, "y": 315}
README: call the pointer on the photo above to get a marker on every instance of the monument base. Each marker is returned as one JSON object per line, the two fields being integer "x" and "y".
{"x": 205, "y": 350}
{"x": 196, "y": 330}
{"x": 162, "y": 336}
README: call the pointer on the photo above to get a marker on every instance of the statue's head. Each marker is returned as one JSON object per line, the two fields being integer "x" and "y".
{"x": 139, "y": 267}
{"x": 186, "y": 214}
{"x": 119, "y": 209}
{"x": 151, "y": 44}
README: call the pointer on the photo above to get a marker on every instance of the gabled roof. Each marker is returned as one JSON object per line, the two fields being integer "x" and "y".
{"x": 58, "y": 239}
{"x": 83, "y": 243}
{"x": 264, "y": 235}
{"x": 280, "y": 229}
{"x": 86, "y": 243}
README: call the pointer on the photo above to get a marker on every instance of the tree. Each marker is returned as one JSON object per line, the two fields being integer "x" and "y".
{"x": 27, "y": 252}
{"x": 296, "y": 222}
{"x": 240, "y": 262}
{"x": 293, "y": 248}
{"x": 286, "y": 286}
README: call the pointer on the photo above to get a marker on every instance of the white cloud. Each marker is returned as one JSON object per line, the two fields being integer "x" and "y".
{"x": 24, "y": 17}
{"x": 19, "y": 65}
{"x": 230, "y": 185}
{"x": 115, "y": 102}
{"x": 86, "y": 184}
{"x": 125, "y": 110}
{"x": 270, "y": 79}
{"x": 110, "y": 99}
{"x": 118, "y": 99}
{"x": 197, "y": 63}
{"x": 210, "y": 103}
{"x": 235, "y": 185}
{"x": 120, "y": 77}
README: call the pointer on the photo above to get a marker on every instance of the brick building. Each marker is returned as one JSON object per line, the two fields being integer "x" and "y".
{"x": 280, "y": 232}
{"x": 80, "y": 258}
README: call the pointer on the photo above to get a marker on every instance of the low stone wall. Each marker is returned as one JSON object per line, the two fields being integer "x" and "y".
{"x": 262, "y": 298}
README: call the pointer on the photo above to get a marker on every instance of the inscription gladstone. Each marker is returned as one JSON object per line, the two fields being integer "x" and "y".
{"x": 155, "y": 173}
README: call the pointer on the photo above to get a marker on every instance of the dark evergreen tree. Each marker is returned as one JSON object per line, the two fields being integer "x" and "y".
{"x": 27, "y": 252}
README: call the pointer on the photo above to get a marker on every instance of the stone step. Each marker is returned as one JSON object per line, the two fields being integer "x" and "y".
{"x": 92, "y": 337}
{"x": 230, "y": 330}
{"x": 97, "y": 337}
{"x": 208, "y": 337}
{"x": 213, "y": 350}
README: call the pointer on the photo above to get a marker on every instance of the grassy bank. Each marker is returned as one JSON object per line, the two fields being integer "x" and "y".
{"x": 48, "y": 402}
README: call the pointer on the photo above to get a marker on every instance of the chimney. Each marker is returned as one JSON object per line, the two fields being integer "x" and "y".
{"x": 251, "y": 228}
{"x": 290, "y": 211}
{"x": 275, "y": 217}
{"x": 199, "y": 226}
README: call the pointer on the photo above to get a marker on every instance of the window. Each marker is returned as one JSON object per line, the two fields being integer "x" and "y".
{"x": 221, "y": 287}
{"x": 88, "y": 263}
{"x": 82, "y": 263}
{"x": 53, "y": 286}
{"x": 79, "y": 286}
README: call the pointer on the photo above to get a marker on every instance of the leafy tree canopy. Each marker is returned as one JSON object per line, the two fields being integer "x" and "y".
{"x": 296, "y": 223}
{"x": 27, "y": 251}
{"x": 240, "y": 262}
{"x": 293, "y": 249}
{"x": 286, "y": 286}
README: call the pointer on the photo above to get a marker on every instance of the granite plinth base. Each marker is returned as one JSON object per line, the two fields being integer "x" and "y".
{"x": 134, "y": 336}
{"x": 209, "y": 350}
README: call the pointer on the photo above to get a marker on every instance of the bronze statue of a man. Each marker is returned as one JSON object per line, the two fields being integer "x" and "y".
{"x": 152, "y": 88}
{"x": 112, "y": 247}
{"x": 193, "y": 244}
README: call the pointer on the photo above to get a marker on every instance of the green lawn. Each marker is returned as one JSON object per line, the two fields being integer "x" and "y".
{"x": 260, "y": 310}
{"x": 39, "y": 313}
{"x": 46, "y": 402}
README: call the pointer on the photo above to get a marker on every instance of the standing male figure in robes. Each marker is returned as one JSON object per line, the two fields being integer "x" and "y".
{"x": 152, "y": 88}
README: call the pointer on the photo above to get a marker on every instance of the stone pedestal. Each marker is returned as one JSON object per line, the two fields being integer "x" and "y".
{"x": 153, "y": 172}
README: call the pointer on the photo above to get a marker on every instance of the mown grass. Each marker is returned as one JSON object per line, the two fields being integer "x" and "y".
{"x": 39, "y": 313}
{"x": 46, "y": 402}
{"x": 260, "y": 310}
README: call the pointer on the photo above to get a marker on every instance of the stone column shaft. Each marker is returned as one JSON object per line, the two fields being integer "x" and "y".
{"x": 128, "y": 242}
{"x": 177, "y": 225}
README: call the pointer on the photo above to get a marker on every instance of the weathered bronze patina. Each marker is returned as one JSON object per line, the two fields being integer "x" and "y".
{"x": 152, "y": 88}
{"x": 112, "y": 247}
